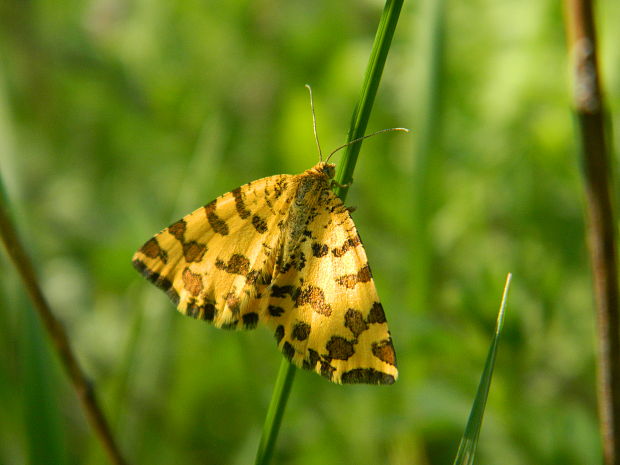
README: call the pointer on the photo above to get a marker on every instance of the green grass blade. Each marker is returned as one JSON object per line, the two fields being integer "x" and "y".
{"x": 469, "y": 441}
{"x": 374, "y": 70}
{"x": 281, "y": 390}
{"x": 43, "y": 418}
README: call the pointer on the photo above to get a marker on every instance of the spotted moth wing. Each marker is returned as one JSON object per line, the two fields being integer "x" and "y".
{"x": 214, "y": 262}
{"x": 282, "y": 250}
{"x": 337, "y": 327}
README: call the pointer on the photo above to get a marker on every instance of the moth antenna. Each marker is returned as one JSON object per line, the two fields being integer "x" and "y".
{"x": 316, "y": 135}
{"x": 364, "y": 137}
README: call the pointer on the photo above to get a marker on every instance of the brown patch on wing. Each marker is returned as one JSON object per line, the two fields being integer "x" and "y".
{"x": 193, "y": 251}
{"x": 354, "y": 320}
{"x": 178, "y": 230}
{"x": 217, "y": 223}
{"x": 350, "y": 280}
{"x": 314, "y": 297}
{"x": 240, "y": 204}
{"x": 192, "y": 282}
{"x": 152, "y": 250}
{"x": 350, "y": 243}
{"x": 233, "y": 302}
{"x": 237, "y": 264}
{"x": 384, "y": 351}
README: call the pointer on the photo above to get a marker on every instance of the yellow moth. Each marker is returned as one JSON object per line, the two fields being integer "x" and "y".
{"x": 282, "y": 251}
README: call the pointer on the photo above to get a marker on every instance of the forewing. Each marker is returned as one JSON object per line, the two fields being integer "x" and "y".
{"x": 216, "y": 262}
{"x": 325, "y": 310}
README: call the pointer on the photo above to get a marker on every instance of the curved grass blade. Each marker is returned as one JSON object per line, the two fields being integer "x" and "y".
{"x": 469, "y": 441}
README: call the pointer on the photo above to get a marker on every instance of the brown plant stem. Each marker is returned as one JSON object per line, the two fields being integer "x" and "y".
{"x": 600, "y": 215}
{"x": 57, "y": 334}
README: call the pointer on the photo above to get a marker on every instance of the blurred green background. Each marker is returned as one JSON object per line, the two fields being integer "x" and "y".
{"x": 118, "y": 117}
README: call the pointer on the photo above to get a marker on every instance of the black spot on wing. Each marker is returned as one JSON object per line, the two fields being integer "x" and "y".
{"x": 230, "y": 325}
{"x": 301, "y": 331}
{"x": 311, "y": 360}
{"x": 209, "y": 311}
{"x": 367, "y": 376}
{"x": 340, "y": 348}
{"x": 288, "y": 350}
{"x": 279, "y": 333}
{"x": 204, "y": 312}
{"x": 376, "y": 314}
{"x": 319, "y": 250}
{"x": 275, "y": 311}
{"x": 259, "y": 224}
{"x": 282, "y": 291}
{"x": 250, "y": 320}
{"x": 161, "y": 282}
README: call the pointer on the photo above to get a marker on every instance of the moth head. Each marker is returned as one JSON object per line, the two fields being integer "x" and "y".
{"x": 328, "y": 169}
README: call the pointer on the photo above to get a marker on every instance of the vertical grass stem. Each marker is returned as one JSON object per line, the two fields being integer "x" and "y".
{"x": 589, "y": 107}
{"x": 361, "y": 114}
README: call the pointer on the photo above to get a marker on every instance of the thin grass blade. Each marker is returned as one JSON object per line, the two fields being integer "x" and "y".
{"x": 469, "y": 441}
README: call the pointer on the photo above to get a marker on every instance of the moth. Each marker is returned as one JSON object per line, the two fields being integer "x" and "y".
{"x": 282, "y": 251}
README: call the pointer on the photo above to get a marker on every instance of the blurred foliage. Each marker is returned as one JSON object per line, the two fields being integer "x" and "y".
{"x": 118, "y": 117}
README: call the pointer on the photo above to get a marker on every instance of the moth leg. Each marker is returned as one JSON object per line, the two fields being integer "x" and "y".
{"x": 342, "y": 186}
